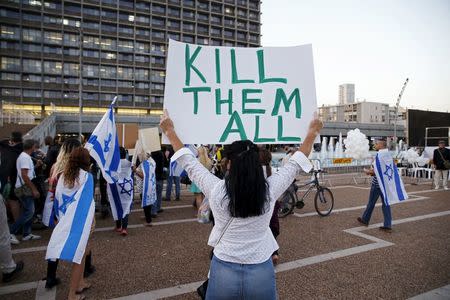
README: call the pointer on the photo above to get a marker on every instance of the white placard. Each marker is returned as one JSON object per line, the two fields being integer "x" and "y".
{"x": 217, "y": 95}
{"x": 149, "y": 139}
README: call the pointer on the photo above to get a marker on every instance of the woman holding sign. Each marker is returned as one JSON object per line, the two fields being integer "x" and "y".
{"x": 242, "y": 204}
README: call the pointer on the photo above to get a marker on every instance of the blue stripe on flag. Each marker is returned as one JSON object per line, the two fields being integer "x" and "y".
{"x": 115, "y": 161}
{"x": 398, "y": 185}
{"x": 146, "y": 169}
{"x": 385, "y": 198}
{"x": 116, "y": 199}
{"x": 79, "y": 219}
{"x": 97, "y": 148}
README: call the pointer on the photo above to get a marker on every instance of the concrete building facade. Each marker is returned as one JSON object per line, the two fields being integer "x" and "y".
{"x": 55, "y": 52}
{"x": 346, "y": 93}
{"x": 359, "y": 112}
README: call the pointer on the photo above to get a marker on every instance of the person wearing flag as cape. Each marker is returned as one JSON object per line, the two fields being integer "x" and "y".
{"x": 120, "y": 194}
{"x": 387, "y": 183}
{"x": 75, "y": 212}
{"x": 146, "y": 171}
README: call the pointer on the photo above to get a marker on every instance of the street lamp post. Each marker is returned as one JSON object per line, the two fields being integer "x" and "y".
{"x": 80, "y": 94}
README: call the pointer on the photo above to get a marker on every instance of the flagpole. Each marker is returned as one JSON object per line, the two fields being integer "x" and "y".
{"x": 80, "y": 94}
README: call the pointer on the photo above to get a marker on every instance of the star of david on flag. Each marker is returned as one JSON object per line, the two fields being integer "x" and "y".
{"x": 103, "y": 145}
{"x": 66, "y": 201}
{"x": 389, "y": 180}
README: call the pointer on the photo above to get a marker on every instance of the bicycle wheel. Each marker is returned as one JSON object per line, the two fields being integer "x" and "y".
{"x": 324, "y": 201}
{"x": 287, "y": 204}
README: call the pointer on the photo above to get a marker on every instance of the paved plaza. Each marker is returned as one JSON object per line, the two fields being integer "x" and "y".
{"x": 321, "y": 257}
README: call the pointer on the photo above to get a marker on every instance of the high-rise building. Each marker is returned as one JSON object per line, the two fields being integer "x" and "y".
{"x": 52, "y": 52}
{"x": 346, "y": 93}
{"x": 358, "y": 112}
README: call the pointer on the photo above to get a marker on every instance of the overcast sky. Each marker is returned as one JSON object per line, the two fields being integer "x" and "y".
{"x": 375, "y": 44}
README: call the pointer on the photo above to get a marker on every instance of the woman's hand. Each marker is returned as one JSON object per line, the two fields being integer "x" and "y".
{"x": 166, "y": 123}
{"x": 315, "y": 125}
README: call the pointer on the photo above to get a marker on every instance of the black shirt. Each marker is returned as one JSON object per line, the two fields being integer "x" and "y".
{"x": 437, "y": 158}
{"x": 158, "y": 157}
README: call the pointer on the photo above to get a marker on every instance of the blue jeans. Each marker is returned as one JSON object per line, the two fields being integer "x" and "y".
{"x": 157, "y": 205}
{"x": 375, "y": 193}
{"x": 241, "y": 281}
{"x": 26, "y": 218}
{"x": 171, "y": 179}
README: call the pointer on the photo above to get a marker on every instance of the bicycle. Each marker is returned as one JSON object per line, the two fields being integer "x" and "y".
{"x": 323, "y": 200}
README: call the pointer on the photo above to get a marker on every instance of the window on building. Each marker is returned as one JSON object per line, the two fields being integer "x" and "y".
{"x": 52, "y": 20}
{"x": 8, "y": 13}
{"x": 141, "y": 74}
{"x": 70, "y": 95}
{"x": 158, "y": 9}
{"x": 10, "y": 76}
{"x": 52, "y": 94}
{"x": 173, "y": 12}
{"x": 10, "y": 64}
{"x": 91, "y": 25}
{"x": 158, "y": 34}
{"x": 173, "y": 36}
{"x": 157, "y": 86}
{"x": 125, "y": 45}
{"x": 125, "y": 73}
{"x": 125, "y": 84}
{"x": 108, "y": 55}
{"x": 158, "y": 49}
{"x": 110, "y": 14}
{"x": 71, "y": 40}
{"x": 31, "y": 78}
{"x": 229, "y": 10}
{"x": 202, "y": 17}
{"x": 32, "y": 65}
{"x": 188, "y": 3}
{"x": 91, "y": 42}
{"x": 141, "y": 19}
{"x": 8, "y": 92}
{"x": 143, "y": 6}
{"x": 71, "y": 22}
{"x": 141, "y": 99}
{"x": 32, "y": 93}
{"x": 173, "y": 24}
{"x": 142, "y": 85}
{"x": 126, "y": 4}
{"x": 156, "y": 99}
{"x": 72, "y": 8}
{"x": 187, "y": 14}
{"x": 91, "y": 11}
{"x": 109, "y": 28}
{"x": 158, "y": 76}
{"x": 31, "y": 35}
{"x": 241, "y": 24}
{"x": 10, "y": 32}
{"x": 71, "y": 69}
{"x": 142, "y": 47}
{"x": 107, "y": 72}
{"x": 52, "y": 50}
{"x": 188, "y": 27}
{"x": 108, "y": 83}
{"x": 52, "y": 37}
{"x": 71, "y": 52}
{"x": 142, "y": 58}
{"x": 90, "y": 81}
{"x": 52, "y": 79}
{"x": 108, "y": 44}
{"x": 158, "y": 22}
{"x": 157, "y": 60}
{"x": 91, "y": 53}
{"x": 90, "y": 70}
{"x": 107, "y": 97}
{"x": 90, "y": 96}
{"x": 215, "y": 7}
{"x": 31, "y": 48}
{"x": 143, "y": 32}
{"x": 188, "y": 39}
{"x": 126, "y": 57}
{"x": 126, "y": 30}
{"x": 202, "y": 29}
{"x": 52, "y": 67}
{"x": 125, "y": 98}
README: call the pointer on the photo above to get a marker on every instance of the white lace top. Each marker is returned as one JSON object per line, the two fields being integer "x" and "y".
{"x": 247, "y": 240}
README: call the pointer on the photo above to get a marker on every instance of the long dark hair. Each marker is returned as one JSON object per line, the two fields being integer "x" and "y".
{"x": 245, "y": 185}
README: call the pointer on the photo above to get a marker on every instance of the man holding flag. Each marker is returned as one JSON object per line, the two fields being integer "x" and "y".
{"x": 386, "y": 183}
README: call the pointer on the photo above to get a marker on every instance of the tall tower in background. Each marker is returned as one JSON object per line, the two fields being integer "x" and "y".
{"x": 346, "y": 93}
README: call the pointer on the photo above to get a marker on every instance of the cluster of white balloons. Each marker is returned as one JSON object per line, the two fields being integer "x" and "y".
{"x": 356, "y": 145}
{"x": 411, "y": 155}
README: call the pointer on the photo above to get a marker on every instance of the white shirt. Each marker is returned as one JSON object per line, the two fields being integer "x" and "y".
{"x": 247, "y": 240}
{"x": 24, "y": 161}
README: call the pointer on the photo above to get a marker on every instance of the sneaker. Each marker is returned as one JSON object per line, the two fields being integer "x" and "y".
{"x": 148, "y": 224}
{"x": 445, "y": 188}
{"x": 118, "y": 230}
{"x": 154, "y": 215}
{"x": 13, "y": 239}
{"x": 124, "y": 232}
{"x": 7, "y": 277}
{"x": 160, "y": 210}
{"x": 31, "y": 237}
{"x": 436, "y": 188}
{"x": 177, "y": 199}
{"x": 165, "y": 199}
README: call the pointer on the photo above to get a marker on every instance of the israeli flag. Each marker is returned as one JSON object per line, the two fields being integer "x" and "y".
{"x": 103, "y": 145}
{"x": 120, "y": 193}
{"x": 149, "y": 182}
{"x": 175, "y": 169}
{"x": 389, "y": 180}
{"x": 76, "y": 211}
{"x": 48, "y": 214}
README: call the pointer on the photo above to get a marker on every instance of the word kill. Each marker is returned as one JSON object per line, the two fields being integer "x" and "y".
{"x": 249, "y": 96}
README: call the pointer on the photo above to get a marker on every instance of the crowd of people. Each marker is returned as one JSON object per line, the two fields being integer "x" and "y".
{"x": 244, "y": 230}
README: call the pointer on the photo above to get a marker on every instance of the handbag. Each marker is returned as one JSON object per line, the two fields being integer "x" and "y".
{"x": 446, "y": 162}
{"x": 6, "y": 190}
{"x": 24, "y": 190}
